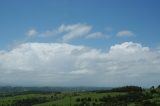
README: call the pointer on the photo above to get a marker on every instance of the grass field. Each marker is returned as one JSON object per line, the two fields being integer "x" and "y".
{"x": 64, "y": 99}
{"x": 96, "y": 98}
{"x": 71, "y": 100}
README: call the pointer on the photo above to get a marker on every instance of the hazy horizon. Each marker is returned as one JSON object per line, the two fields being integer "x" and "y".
{"x": 95, "y": 43}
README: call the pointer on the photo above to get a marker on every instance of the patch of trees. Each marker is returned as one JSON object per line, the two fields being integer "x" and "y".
{"x": 130, "y": 97}
{"x": 30, "y": 101}
{"x": 127, "y": 89}
{"x": 139, "y": 98}
{"x": 8, "y": 94}
{"x": 86, "y": 101}
{"x": 146, "y": 103}
{"x": 121, "y": 89}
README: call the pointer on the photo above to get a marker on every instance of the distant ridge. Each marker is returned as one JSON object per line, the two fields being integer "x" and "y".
{"x": 4, "y": 89}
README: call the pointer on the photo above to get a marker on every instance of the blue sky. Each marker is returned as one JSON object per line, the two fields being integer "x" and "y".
{"x": 119, "y": 34}
{"x": 140, "y": 16}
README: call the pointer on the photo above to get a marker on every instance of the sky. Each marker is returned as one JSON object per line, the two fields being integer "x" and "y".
{"x": 79, "y": 42}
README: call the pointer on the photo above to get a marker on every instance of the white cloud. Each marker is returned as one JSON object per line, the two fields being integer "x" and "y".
{"x": 31, "y": 33}
{"x": 48, "y": 33}
{"x": 125, "y": 33}
{"x": 66, "y": 33}
{"x": 96, "y": 35}
{"x": 63, "y": 64}
{"x": 109, "y": 29}
{"x": 74, "y": 31}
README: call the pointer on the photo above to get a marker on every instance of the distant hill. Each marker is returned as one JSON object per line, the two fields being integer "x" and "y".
{"x": 9, "y": 89}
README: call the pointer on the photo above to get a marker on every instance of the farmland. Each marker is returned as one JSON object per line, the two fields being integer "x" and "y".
{"x": 124, "y": 96}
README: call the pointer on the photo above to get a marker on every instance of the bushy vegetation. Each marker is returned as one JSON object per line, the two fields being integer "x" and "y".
{"x": 127, "y": 89}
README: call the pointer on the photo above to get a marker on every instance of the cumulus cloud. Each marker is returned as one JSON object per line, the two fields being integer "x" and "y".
{"x": 61, "y": 64}
{"x": 125, "y": 33}
{"x": 32, "y": 32}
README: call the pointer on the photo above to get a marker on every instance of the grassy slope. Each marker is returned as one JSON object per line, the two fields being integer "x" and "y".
{"x": 66, "y": 100}
{"x": 9, "y": 100}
